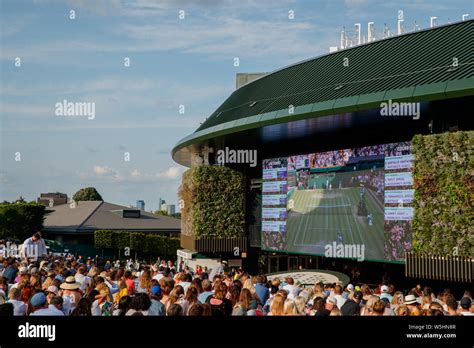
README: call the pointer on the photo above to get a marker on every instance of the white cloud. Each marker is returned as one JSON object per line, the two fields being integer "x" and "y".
{"x": 104, "y": 171}
{"x": 353, "y": 3}
{"x": 171, "y": 173}
{"x": 135, "y": 173}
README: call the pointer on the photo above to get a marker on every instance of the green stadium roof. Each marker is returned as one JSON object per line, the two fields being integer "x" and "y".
{"x": 417, "y": 66}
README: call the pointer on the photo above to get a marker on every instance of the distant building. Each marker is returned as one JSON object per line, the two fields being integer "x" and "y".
{"x": 170, "y": 209}
{"x": 161, "y": 202}
{"x": 52, "y": 199}
{"x": 77, "y": 223}
{"x": 141, "y": 205}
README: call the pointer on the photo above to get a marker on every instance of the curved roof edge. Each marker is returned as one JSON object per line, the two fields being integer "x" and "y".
{"x": 426, "y": 92}
{"x": 352, "y": 48}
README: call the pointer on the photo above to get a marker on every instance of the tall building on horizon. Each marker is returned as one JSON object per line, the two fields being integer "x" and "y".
{"x": 170, "y": 209}
{"x": 141, "y": 205}
{"x": 160, "y": 203}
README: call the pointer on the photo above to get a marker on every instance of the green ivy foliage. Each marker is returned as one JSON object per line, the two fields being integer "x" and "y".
{"x": 103, "y": 239}
{"x": 143, "y": 242}
{"x": 443, "y": 182}
{"x": 213, "y": 198}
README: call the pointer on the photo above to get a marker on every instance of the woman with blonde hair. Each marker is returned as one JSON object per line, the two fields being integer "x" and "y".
{"x": 122, "y": 286}
{"x": 368, "y": 308}
{"x": 278, "y": 305}
{"x": 176, "y": 296}
{"x": 289, "y": 308}
{"x": 397, "y": 300}
{"x": 402, "y": 311}
{"x": 102, "y": 306}
{"x": 247, "y": 300}
{"x": 300, "y": 304}
{"x": 283, "y": 293}
{"x": 144, "y": 282}
{"x": 318, "y": 290}
{"x": 248, "y": 284}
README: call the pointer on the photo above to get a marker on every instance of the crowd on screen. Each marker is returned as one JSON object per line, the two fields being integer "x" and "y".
{"x": 77, "y": 286}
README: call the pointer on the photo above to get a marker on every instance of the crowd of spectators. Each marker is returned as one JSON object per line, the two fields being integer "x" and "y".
{"x": 70, "y": 286}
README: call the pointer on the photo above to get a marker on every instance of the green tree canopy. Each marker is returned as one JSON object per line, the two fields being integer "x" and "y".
{"x": 161, "y": 212}
{"x": 87, "y": 194}
{"x": 20, "y": 220}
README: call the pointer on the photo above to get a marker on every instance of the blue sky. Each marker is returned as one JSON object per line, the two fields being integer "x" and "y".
{"x": 173, "y": 62}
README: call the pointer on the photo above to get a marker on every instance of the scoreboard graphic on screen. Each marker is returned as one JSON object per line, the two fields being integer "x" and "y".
{"x": 360, "y": 196}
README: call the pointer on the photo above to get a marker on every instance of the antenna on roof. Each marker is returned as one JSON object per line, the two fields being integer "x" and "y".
{"x": 416, "y": 27}
{"x": 386, "y": 31}
{"x": 433, "y": 22}
{"x": 358, "y": 33}
{"x": 370, "y": 32}
{"x": 343, "y": 38}
{"x": 464, "y": 16}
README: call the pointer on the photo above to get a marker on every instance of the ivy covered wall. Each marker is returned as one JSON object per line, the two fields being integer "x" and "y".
{"x": 212, "y": 202}
{"x": 443, "y": 182}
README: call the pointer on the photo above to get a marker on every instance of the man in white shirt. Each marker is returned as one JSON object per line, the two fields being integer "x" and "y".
{"x": 290, "y": 287}
{"x": 83, "y": 279}
{"x": 340, "y": 300}
{"x": 34, "y": 247}
{"x": 182, "y": 280}
{"x": 158, "y": 276}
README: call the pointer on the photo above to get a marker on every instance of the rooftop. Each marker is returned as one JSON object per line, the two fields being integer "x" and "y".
{"x": 417, "y": 66}
{"x": 89, "y": 216}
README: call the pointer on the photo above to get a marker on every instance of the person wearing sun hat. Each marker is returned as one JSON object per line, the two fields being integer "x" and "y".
{"x": 70, "y": 294}
{"x": 412, "y": 303}
{"x": 384, "y": 293}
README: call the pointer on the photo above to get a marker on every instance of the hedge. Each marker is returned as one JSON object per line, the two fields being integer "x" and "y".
{"x": 143, "y": 242}
{"x": 443, "y": 172}
{"x": 212, "y": 202}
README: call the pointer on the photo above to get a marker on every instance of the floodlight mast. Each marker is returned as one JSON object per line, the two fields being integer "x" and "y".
{"x": 370, "y": 33}
{"x": 359, "y": 34}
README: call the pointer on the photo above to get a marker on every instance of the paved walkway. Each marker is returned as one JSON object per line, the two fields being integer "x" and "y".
{"x": 310, "y": 277}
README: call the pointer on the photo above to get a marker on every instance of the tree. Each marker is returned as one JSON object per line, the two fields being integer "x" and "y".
{"x": 20, "y": 220}
{"x": 161, "y": 212}
{"x": 176, "y": 215}
{"x": 87, "y": 194}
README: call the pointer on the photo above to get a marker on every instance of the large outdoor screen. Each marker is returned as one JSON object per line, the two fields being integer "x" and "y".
{"x": 329, "y": 202}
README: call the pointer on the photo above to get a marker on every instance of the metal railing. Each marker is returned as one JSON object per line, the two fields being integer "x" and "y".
{"x": 214, "y": 244}
{"x": 450, "y": 268}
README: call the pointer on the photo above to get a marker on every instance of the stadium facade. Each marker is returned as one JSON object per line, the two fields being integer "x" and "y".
{"x": 332, "y": 135}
